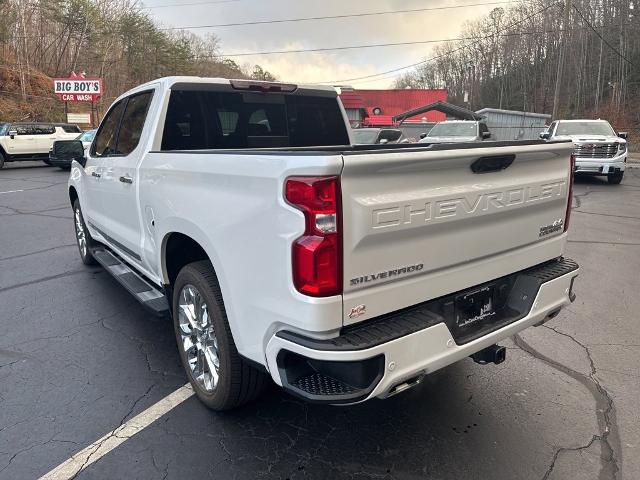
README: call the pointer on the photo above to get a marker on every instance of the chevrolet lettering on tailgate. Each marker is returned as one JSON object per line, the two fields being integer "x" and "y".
{"x": 414, "y": 213}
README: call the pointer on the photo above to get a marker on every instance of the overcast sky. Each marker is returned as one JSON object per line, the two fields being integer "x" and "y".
{"x": 323, "y": 66}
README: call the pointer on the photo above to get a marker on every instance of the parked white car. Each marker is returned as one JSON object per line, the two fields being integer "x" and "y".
{"x": 32, "y": 141}
{"x": 281, "y": 250}
{"x": 457, "y": 131}
{"x": 598, "y": 149}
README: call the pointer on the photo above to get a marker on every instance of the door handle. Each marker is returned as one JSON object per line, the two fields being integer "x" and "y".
{"x": 95, "y": 174}
{"x": 126, "y": 179}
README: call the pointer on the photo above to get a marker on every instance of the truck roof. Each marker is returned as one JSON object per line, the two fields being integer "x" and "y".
{"x": 168, "y": 82}
{"x": 575, "y": 120}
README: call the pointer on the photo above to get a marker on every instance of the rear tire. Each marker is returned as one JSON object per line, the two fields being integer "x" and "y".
{"x": 83, "y": 237}
{"x": 615, "y": 178}
{"x": 221, "y": 379}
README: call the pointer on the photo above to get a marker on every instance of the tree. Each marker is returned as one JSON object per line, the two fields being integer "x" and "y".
{"x": 260, "y": 74}
{"x": 114, "y": 39}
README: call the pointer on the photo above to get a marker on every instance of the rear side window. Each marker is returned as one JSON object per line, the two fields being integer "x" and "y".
{"x": 35, "y": 129}
{"x": 200, "y": 120}
{"x": 105, "y": 142}
{"x": 132, "y": 123}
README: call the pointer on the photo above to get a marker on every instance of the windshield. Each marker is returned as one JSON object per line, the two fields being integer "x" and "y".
{"x": 585, "y": 128}
{"x": 87, "y": 136}
{"x": 4, "y": 127}
{"x": 453, "y": 130}
{"x": 365, "y": 136}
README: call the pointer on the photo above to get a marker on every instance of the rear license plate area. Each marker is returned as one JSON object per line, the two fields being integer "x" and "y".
{"x": 475, "y": 307}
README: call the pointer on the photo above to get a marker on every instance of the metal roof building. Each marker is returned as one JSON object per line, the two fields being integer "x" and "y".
{"x": 508, "y": 125}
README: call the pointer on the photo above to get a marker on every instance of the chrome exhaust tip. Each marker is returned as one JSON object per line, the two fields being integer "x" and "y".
{"x": 406, "y": 385}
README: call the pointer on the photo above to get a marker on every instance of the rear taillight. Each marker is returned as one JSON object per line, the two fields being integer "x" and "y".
{"x": 316, "y": 255}
{"x": 572, "y": 163}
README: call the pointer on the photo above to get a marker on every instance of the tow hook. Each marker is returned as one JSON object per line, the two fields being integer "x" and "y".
{"x": 492, "y": 354}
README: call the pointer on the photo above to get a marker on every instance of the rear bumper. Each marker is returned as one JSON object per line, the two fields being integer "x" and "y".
{"x": 398, "y": 349}
{"x": 601, "y": 166}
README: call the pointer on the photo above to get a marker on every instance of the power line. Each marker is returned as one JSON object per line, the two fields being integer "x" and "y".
{"x": 377, "y": 45}
{"x": 166, "y": 5}
{"x": 394, "y": 70}
{"x": 331, "y": 17}
{"x": 341, "y": 48}
{"x": 617, "y": 52}
{"x": 475, "y": 39}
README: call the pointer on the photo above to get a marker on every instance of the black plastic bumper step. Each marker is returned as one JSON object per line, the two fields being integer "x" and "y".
{"x": 328, "y": 381}
{"x": 322, "y": 385}
{"x": 149, "y": 296}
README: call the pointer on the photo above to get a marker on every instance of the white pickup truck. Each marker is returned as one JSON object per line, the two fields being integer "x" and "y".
{"x": 281, "y": 250}
{"x": 598, "y": 149}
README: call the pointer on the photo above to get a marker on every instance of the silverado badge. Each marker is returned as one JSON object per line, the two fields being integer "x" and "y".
{"x": 554, "y": 227}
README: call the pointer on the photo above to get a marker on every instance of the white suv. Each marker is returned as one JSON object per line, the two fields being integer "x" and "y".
{"x": 32, "y": 141}
{"x": 597, "y": 147}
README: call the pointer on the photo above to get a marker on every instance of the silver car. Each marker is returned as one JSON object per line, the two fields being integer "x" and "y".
{"x": 456, "y": 131}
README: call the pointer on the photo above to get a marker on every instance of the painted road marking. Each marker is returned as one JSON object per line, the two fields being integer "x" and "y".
{"x": 12, "y": 191}
{"x": 114, "y": 438}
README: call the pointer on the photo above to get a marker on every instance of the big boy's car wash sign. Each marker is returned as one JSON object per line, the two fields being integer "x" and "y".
{"x": 78, "y": 88}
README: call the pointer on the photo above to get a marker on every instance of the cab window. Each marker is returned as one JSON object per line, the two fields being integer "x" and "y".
{"x": 105, "y": 142}
{"x": 132, "y": 123}
{"x": 201, "y": 120}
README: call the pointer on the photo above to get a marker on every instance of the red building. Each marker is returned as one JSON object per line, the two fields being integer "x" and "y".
{"x": 378, "y": 107}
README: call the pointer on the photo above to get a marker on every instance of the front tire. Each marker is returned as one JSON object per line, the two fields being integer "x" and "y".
{"x": 1, "y": 160}
{"x": 221, "y": 379}
{"x": 83, "y": 237}
{"x": 615, "y": 178}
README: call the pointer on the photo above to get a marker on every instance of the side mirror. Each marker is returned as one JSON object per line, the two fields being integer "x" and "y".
{"x": 545, "y": 135}
{"x": 623, "y": 134}
{"x": 422, "y": 135}
{"x": 12, "y": 133}
{"x": 69, "y": 150}
{"x": 383, "y": 141}
{"x": 486, "y": 135}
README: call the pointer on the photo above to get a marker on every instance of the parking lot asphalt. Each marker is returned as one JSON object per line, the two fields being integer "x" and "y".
{"x": 79, "y": 357}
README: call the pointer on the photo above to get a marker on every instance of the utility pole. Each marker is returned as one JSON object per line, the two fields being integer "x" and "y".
{"x": 561, "y": 57}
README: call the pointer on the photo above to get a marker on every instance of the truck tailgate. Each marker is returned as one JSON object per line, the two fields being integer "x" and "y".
{"x": 420, "y": 223}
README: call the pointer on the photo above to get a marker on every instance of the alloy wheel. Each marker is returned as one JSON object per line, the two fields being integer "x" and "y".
{"x": 198, "y": 338}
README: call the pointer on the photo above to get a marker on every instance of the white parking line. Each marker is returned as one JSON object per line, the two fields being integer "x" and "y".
{"x": 12, "y": 191}
{"x": 114, "y": 438}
